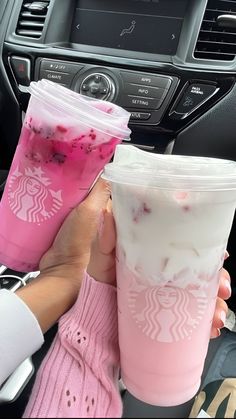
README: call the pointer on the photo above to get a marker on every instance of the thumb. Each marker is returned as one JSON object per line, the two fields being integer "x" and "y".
{"x": 99, "y": 195}
{"x": 106, "y": 233}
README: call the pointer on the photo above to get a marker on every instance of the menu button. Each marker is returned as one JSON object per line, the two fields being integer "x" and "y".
{"x": 164, "y": 82}
{"x": 146, "y": 80}
{"x": 139, "y": 116}
{"x": 57, "y": 76}
{"x": 141, "y": 102}
{"x": 145, "y": 91}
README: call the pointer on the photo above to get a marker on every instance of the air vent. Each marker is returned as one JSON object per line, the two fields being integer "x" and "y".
{"x": 32, "y": 18}
{"x": 217, "y": 36}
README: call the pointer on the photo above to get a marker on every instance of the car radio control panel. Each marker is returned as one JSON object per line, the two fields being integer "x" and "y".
{"x": 159, "y": 101}
{"x": 145, "y": 95}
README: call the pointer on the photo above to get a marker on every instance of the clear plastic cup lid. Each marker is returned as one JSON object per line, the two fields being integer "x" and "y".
{"x": 166, "y": 172}
{"x": 82, "y": 109}
{"x": 103, "y": 107}
{"x": 179, "y": 164}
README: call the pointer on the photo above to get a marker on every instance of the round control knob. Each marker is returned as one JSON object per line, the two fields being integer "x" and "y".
{"x": 98, "y": 86}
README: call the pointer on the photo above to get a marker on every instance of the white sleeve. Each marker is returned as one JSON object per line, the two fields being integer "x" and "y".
{"x": 20, "y": 333}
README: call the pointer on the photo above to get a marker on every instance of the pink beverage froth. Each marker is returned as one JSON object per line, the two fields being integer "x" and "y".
{"x": 52, "y": 171}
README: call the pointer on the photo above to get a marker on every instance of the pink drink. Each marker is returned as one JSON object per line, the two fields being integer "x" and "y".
{"x": 56, "y": 162}
{"x": 161, "y": 364}
{"x": 170, "y": 247}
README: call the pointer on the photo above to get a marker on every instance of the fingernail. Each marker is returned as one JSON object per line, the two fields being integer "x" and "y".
{"x": 216, "y": 333}
{"x": 226, "y": 254}
{"x": 223, "y": 317}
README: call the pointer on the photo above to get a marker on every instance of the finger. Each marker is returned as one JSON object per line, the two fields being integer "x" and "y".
{"x": 107, "y": 233}
{"x": 220, "y": 314}
{"x": 215, "y": 333}
{"x": 226, "y": 255}
{"x": 90, "y": 209}
{"x": 109, "y": 206}
{"x": 224, "y": 285}
{"x": 99, "y": 195}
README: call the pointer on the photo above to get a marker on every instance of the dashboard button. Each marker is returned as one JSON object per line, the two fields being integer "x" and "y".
{"x": 145, "y": 91}
{"x": 21, "y": 70}
{"x": 139, "y": 116}
{"x": 99, "y": 86}
{"x": 94, "y": 89}
{"x": 97, "y": 78}
{"x": 85, "y": 87}
{"x": 57, "y": 77}
{"x": 146, "y": 79}
{"x": 192, "y": 98}
{"x": 141, "y": 102}
{"x": 103, "y": 90}
{"x": 60, "y": 66}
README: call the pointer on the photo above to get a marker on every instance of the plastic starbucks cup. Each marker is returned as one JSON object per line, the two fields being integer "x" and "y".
{"x": 127, "y": 153}
{"x": 173, "y": 222}
{"x": 102, "y": 110}
{"x": 63, "y": 147}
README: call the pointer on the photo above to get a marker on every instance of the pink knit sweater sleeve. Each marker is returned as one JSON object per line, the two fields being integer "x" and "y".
{"x": 79, "y": 376}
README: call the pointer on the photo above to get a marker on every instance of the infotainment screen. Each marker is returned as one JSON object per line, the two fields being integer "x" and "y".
{"x": 151, "y": 26}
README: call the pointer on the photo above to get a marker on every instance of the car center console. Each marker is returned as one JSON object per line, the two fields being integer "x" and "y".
{"x": 148, "y": 56}
{"x": 170, "y": 63}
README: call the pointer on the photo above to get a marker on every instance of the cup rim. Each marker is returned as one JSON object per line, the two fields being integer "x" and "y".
{"x": 55, "y": 102}
{"x": 127, "y": 175}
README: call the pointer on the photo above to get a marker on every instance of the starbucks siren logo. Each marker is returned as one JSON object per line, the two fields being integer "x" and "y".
{"x": 30, "y": 197}
{"x": 167, "y": 313}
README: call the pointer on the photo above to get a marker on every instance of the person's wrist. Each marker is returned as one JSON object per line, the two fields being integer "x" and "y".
{"x": 52, "y": 293}
{"x": 72, "y": 273}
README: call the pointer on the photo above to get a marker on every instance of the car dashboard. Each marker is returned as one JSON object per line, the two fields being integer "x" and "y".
{"x": 170, "y": 63}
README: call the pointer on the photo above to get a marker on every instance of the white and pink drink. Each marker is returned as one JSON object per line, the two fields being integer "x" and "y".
{"x": 173, "y": 217}
{"x": 62, "y": 149}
